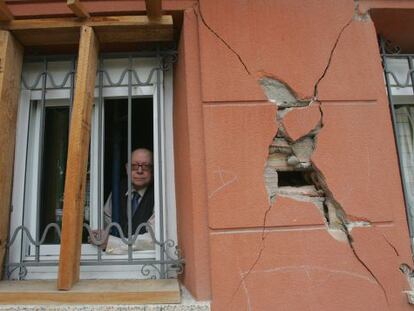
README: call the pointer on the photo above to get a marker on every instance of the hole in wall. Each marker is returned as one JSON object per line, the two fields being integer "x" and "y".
{"x": 294, "y": 178}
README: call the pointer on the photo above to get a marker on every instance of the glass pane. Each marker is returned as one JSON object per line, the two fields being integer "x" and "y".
{"x": 405, "y": 130}
{"x": 53, "y": 169}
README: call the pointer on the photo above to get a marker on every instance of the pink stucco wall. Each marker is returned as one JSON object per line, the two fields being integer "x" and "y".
{"x": 223, "y": 126}
{"x": 294, "y": 264}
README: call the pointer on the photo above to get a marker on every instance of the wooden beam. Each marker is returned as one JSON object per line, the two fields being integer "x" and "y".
{"x": 154, "y": 9}
{"x": 11, "y": 58}
{"x": 65, "y": 31}
{"x": 77, "y": 8}
{"x": 77, "y": 160}
{"x": 91, "y": 292}
{"x": 94, "y": 21}
{"x": 5, "y": 14}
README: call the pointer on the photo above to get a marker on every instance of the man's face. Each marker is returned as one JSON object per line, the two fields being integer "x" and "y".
{"x": 141, "y": 168}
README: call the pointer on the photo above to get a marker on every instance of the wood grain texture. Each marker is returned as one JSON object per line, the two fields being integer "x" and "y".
{"x": 11, "y": 58}
{"x": 68, "y": 22}
{"x": 154, "y": 9}
{"x": 5, "y": 14}
{"x": 91, "y": 292}
{"x": 65, "y": 31}
{"x": 77, "y": 8}
{"x": 78, "y": 149}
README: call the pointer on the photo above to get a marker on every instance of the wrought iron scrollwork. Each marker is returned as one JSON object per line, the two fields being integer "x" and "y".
{"x": 13, "y": 267}
{"x": 29, "y": 236}
{"x": 49, "y": 77}
{"x": 174, "y": 262}
{"x": 388, "y": 47}
{"x": 146, "y": 271}
{"x": 168, "y": 60}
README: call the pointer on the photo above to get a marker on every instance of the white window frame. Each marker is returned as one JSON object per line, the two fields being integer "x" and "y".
{"x": 163, "y": 153}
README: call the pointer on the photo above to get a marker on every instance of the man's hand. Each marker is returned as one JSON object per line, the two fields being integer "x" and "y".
{"x": 98, "y": 235}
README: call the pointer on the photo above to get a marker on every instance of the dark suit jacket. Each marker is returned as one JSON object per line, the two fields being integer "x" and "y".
{"x": 143, "y": 214}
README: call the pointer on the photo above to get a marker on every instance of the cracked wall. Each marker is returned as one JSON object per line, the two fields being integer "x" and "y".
{"x": 272, "y": 244}
{"x": 290, "y": 171}
{"x": 278, "y": 242}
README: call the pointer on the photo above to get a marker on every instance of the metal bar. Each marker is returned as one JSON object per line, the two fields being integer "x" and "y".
{"x": 160, "y": 164}
{"x": 129, "y": 207}
{"x": 46, "y": 263}
{"x": 116, "y": 167}
{"x": 112, "y": 55}
{"x": 395, "y": 55}
{"x": 24, "y": 192}
{"x": 41, "y": 147}
{"x": 72, "y": 86}
{"x": 100, "y": 148}
{"x": 411, "y": 67}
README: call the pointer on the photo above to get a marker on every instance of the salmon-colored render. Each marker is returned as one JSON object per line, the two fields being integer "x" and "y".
{"x": 247, "y": 245}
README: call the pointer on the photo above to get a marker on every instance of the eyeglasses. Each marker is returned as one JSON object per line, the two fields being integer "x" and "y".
{"x": 144, "y": 166}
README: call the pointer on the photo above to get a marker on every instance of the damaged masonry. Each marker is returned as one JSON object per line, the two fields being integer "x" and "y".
{"x": 289, "y": 170}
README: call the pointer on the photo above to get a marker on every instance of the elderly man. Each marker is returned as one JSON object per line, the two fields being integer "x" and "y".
{"x": 142, "y": 204}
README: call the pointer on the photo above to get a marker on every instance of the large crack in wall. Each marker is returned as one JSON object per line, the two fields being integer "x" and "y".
{"x": 289, "y": 170}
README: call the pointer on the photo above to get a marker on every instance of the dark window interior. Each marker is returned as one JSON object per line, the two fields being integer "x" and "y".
{"x": 294, "y": 178}
{"x": 116, "y": 135}
{"x": 56, "y": 129}
{"x": 53, "y": 171}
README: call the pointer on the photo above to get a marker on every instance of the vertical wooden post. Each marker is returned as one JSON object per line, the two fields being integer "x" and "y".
{"x": 77, "y": 8}
{"x": 77, "y": 160}
{"x": 5, "y": 14}
{"x": 154, "y": 9}
{"x": 11, "y": 59}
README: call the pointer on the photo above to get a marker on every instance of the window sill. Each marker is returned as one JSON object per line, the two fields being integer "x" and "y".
{"x": 91, "y": 292}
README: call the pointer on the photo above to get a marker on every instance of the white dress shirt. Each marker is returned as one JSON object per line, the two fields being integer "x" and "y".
{"x": 115, "y": 245}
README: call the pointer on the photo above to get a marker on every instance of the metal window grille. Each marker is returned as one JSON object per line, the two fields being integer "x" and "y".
{"x": 38, "y": 88}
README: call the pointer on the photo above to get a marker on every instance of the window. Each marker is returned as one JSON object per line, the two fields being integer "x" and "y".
{"x": 132, "y": 108}
{"x": 399, "y": 73}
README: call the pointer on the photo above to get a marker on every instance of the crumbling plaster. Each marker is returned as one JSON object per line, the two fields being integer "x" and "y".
{"x": 296, "y": 155}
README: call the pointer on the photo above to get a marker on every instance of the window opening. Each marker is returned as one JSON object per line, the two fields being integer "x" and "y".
{"x": 128, "y": 112}
{"x": 398, "y": 76}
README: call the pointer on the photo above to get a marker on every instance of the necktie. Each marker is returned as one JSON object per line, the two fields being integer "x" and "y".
{"x": 135, "y": 202}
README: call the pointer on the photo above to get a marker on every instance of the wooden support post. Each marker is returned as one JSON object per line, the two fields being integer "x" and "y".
{"x": 77, "y": 7}
{"x": 77, "y": 159}
{"x": 5, "y": 14}
{"x": 154, "y": 9}
{"x": 11, "y": 58}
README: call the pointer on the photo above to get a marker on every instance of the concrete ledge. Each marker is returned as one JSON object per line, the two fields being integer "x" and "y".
{"x": 91, "y": 292}
{"x": 187, "y": 304}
